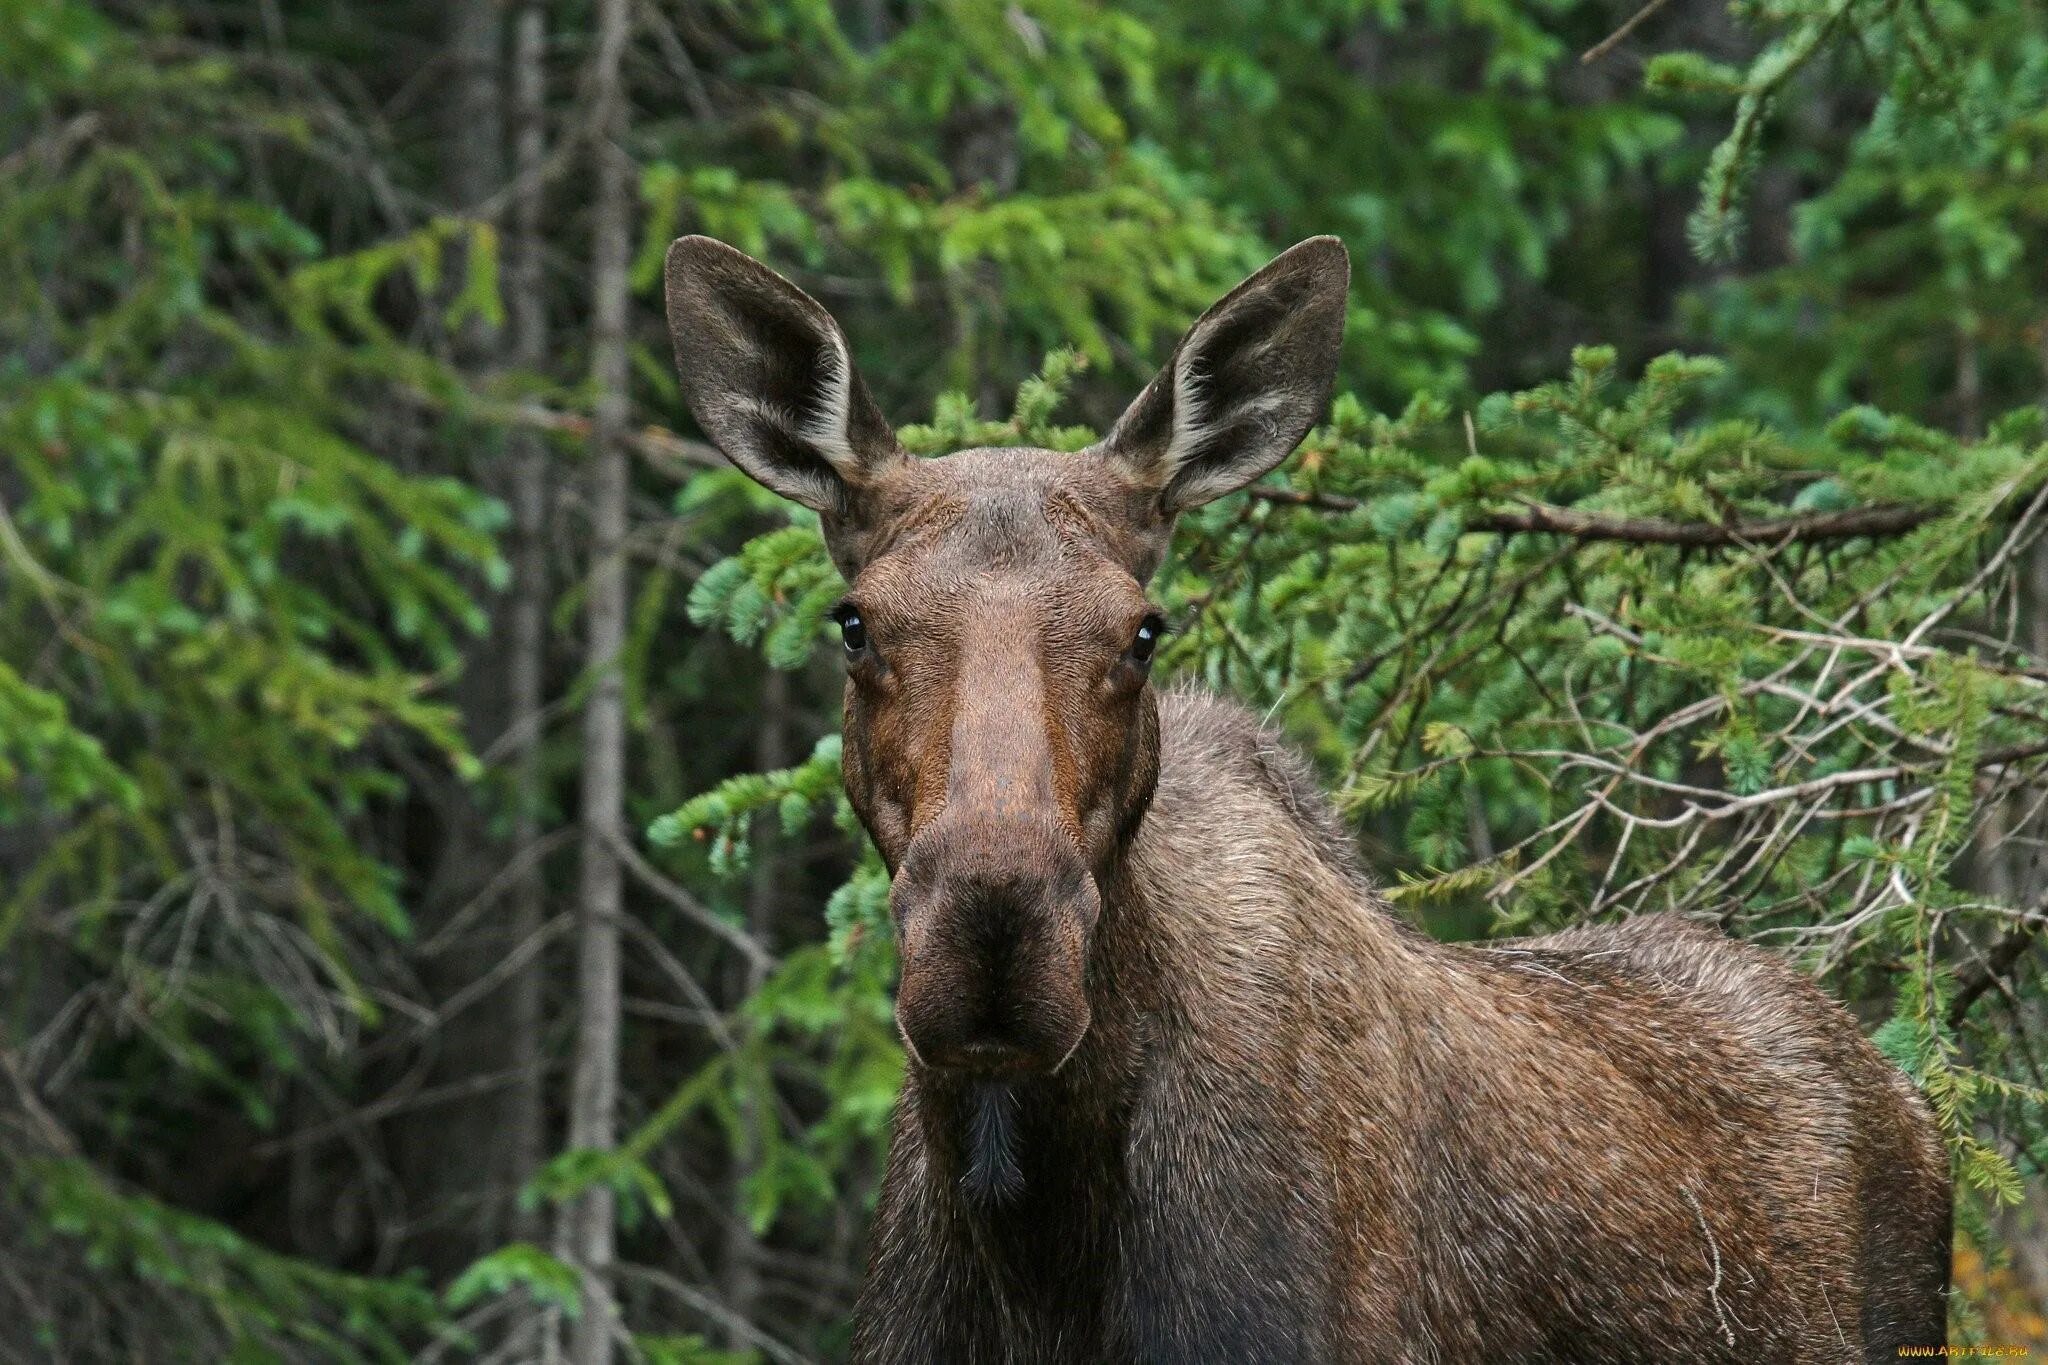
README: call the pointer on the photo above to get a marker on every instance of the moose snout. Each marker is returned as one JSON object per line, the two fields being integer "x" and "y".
{"x": 993, "y": 925}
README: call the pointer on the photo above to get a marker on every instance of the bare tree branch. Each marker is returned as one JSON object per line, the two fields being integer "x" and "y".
{"x": 1534, "y": 518}
{"x": 1992, "y": 968}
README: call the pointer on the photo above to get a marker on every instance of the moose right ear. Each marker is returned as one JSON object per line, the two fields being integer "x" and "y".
{"x": 768, "y": 376}
{"x": 1243, "y": 386}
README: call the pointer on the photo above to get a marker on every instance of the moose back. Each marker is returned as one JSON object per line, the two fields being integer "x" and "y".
{"x": 1182, "y": 1089}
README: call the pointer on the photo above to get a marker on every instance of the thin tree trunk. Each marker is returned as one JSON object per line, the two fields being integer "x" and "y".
{"x": 1969, "y": 382}
{"x": 526, "y": 630}
{"x": 475, "y": 128}
{"x": 452, "y": 1161}
{"x": 594, "y": 1103}
{"x": 742, "y": 1289}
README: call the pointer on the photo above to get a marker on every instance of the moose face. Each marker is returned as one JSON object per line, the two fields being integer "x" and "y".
{"x": 1001, "y": 737}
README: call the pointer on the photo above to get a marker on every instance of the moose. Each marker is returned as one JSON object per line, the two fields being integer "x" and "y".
{"x": 1181, "y": 1086}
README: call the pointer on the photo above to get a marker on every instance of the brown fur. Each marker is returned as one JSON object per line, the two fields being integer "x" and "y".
{"x": 1299, "y": 1130}
{"x": 1183, "y": 1089}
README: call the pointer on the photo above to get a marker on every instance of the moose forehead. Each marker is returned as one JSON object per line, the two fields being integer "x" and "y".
{"x": 1011, "y": 523}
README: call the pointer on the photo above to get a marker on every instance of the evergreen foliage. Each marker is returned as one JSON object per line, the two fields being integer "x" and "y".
{"x": 1673, "y": 543}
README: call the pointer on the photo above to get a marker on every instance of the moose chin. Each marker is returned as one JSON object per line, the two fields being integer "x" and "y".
{"x": 1182, "y": 1088}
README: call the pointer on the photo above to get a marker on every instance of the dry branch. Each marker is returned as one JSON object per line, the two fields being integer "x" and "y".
{"x": 1993, "y": 967}
{"x": 1535, "y": 518}
{"x": 657, "y": 444}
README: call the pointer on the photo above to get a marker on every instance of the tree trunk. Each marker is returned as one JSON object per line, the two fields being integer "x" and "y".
{"x": 594, "y": 1102}
{"x": 452, "y": 1159}
{"x": 742, "y": 1289}
{"x": 474, "y": 133}
{"x": 525, "y": 1141}
{"x": 1969, "y": 381}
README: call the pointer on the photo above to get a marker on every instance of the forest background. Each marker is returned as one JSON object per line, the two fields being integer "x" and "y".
{"x": 429, "y": 926}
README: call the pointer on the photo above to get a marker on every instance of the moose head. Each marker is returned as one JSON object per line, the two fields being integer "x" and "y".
{"x": 1001, "y": 735}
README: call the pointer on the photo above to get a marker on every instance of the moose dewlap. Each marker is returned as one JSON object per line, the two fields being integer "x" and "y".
{"x": 1182, "y": 1089}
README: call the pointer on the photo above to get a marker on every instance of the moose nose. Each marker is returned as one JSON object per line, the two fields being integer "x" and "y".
{"x": 993, "y": 927}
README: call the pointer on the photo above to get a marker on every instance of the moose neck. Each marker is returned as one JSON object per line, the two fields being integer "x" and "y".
{"x": 1240, "y": 880}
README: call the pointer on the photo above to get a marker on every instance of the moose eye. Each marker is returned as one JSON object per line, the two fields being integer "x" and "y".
{"x": 853, "y": 632}
{"x": 1147, "y": 640}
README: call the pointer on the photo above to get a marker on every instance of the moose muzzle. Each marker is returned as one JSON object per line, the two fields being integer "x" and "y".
{"x": 993, "y": 921}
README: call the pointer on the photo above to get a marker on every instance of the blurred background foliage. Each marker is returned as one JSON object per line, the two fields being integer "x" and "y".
{"x": 1674, "y": 542}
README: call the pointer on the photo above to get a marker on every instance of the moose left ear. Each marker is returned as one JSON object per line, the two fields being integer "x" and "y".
{"x": 1243, "y": 386}
{"x": 768, "y": 375}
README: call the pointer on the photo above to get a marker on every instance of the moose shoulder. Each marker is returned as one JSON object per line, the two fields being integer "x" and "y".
{"x": 1182, "y": 1089}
